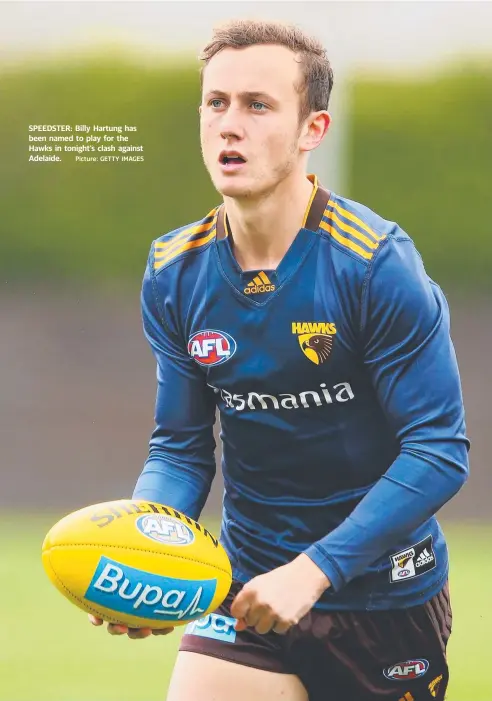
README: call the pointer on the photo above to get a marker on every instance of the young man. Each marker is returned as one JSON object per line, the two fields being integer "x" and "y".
{"x": 310, "y": 322}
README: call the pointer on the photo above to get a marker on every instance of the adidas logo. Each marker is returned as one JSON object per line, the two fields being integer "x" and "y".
{"x": 424, "y": 558}
{"x": 260, "y": 283}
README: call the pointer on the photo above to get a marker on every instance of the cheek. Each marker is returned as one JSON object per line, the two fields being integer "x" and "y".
{"x": 204, "y": 129}
{"x": 206, "y": 136}
{"x": 272, "y": 140}
{"x": 284, "y": 133}
{"x": 282, "y": 143}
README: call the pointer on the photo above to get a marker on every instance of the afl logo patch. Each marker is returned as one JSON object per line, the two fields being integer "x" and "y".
{"x": 210, "y": 347}
{"x": 404, "y": 671}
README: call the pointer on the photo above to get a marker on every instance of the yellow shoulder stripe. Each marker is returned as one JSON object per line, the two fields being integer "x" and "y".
{"x": 350, "y": 230}
{"x": 185, "y": 247}
{"x": 164, "y": 248}
{"x": 345, "y": 242}
{"x": 164, "y": 251}
{"x": 161, "y": 247}
{"x": 348, "y": 215}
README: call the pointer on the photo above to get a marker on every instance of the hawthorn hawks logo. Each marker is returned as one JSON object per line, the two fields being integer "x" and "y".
{"x": 211, "y": 347}
{"x": 434, "y": 686}
{"x": 315, "y": 339}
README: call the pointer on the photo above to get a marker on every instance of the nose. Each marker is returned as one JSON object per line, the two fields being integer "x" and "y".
{"x": 230, "y": 126}
{"x": 226, "y": 135}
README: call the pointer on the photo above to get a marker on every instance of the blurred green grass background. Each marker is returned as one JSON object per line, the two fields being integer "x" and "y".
{"x": 50, "y": 652}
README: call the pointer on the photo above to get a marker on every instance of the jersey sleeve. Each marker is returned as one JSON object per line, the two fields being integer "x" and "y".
{"x": 181, "y": 465}
{"x": 410, "y": 358}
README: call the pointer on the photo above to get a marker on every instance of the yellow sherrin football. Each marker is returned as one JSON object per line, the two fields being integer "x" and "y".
{"x": 137, "y": 563}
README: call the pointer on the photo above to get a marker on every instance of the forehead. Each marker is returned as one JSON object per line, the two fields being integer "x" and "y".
{"x": 265, "y": 68}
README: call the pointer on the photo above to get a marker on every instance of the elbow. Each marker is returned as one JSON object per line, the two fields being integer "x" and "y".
{"x": 462, "y": 464}
{"x": 455, "y": 466}
{"x": 441, "y": 467}
{"x": 455, "y": 447}
{"x": 458, "y": 451}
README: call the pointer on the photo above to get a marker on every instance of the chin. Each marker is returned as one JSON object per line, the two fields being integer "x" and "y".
{"x": 234, "y": 190}
{"x": 233, "y": 187}
{"x": 239, "y": 186}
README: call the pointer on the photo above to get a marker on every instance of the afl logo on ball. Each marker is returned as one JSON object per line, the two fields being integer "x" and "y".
{"x": 165, "y": 529}
{"x": 211, "y": 347}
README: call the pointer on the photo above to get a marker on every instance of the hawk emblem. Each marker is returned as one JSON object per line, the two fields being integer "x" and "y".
{"x": 403, "y": 560}
{"x": 316, "y": 346}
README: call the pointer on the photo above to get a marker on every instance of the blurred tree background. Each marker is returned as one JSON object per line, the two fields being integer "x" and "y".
{"x": 419, "y": 153}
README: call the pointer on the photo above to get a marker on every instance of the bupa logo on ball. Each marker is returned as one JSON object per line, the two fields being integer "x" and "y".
{"x": 404, "y": 671}
{"x": 128, "y": 590}
{"x": 211, "y": 347}
{"x": 165, "y": 529}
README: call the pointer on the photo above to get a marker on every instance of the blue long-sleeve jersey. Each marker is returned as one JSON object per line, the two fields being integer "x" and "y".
{"x": 341, "y": 411}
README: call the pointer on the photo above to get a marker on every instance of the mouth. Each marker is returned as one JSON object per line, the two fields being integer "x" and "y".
{"x": 231, "y": 161}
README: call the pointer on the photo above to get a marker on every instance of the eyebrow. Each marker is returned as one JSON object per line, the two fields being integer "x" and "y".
{"x": 247, "y": 95}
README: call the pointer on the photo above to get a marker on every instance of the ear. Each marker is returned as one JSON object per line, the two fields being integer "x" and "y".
{"x": 200, "y": 110}
{"x": 314, "y": 130}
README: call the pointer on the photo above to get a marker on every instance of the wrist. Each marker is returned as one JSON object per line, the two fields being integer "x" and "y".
{"x": 314, "y": 574}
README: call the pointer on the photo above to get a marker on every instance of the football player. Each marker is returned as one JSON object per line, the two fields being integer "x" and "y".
{"x": 310, "y": 322}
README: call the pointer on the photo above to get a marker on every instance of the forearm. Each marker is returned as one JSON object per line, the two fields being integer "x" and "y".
{"x": 413, "y": 489}
{"x": 185, "y": 488}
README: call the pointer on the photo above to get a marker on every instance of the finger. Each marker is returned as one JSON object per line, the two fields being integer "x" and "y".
{"x": 282, "y": 627}
{"x": 240, "y": 625}
{"x": 241, "y": 604}
{"x": 162, "y": 631}
{"x": 253, "y": 616}
{"x": 139, "y": 633}
{"x": 117, "y": 629}
{"x": 258, "y": 612}
{"x": 265, "y": 623}
{"x": 95, "y": 621}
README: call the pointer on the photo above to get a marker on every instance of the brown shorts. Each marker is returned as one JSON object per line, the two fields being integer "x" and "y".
{"x": 396, "y": 655}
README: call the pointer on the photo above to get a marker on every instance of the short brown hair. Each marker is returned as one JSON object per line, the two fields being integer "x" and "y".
{"x": 317, "y": 73}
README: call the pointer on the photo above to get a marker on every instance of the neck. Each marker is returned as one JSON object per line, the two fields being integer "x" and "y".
{"x": 264, "y": 228}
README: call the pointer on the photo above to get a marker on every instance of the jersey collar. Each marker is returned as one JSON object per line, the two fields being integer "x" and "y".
{"x": 293, "y": 257}
{"x": 312, "y": 218}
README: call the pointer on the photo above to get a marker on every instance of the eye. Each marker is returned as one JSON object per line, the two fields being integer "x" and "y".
{"x": 260, "y": 105}
{"x": 216, "y": 103}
